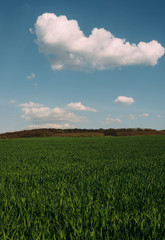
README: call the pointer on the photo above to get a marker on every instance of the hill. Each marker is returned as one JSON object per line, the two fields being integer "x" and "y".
{"x": 51, "y": 132}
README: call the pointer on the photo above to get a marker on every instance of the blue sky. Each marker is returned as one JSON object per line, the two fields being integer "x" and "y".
{"x": 83, "y": 64}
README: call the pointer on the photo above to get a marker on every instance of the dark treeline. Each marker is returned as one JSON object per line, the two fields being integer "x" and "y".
{"x": 51, "y": 132}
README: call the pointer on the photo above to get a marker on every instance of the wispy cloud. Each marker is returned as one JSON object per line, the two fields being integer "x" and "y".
{"x": 132, "y": 117}
{"x": 30, "y": 105}
{"x": 159, "y": 116}
{"x": 31, "y": 30}
{"x": 80, "y": 107}
{"x": 50, "y": 125}
{"x": 144, "y": 115}
{"x": 124, "y": 100}
{"x": 31, "y": 76}
{"x": 12, "y": 101}
{"x": 110, "y": 120}
{"x": 62, "y": 38}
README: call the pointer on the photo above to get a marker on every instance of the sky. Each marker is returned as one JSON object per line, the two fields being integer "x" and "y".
{"x": 82, "y": 64}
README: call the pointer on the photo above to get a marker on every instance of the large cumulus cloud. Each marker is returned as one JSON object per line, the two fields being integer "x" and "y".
{"x": 68, "y": 47}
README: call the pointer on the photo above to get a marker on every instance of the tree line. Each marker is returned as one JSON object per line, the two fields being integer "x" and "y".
{"x": 51, "y": 132}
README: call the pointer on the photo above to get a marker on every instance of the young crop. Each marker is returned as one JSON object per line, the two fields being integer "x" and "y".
{"x": 82, "y": 188}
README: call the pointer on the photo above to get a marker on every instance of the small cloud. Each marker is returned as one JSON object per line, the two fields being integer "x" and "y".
{"x": 80, "y": 107}
{"x": 124, "y": 100}
{"x": 132, "y": 117}
{"x": 144, "y": 115}
{"x": 35, "y": 84}
{"x": 57, "y": 67}
{"x": 12, "y": 101}
{"x": 31, "y": 30}
{"x": 50, "y": 125}
{"x": 159, "y": 116}
{"x": 31, "y": 76}
{"x": 110, "y": 120}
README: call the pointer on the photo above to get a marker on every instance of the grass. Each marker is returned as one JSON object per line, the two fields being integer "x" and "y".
{"x": 82, "y": 188}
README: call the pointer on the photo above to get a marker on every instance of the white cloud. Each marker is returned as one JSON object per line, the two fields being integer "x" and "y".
{"x": 110, "y": 120}
{"x": 31, "y": 76}
{"x": 12, "y": 101}
{"x": 31, "y": 105}
{"x": 42, "y": 116}
{"x": 144, "y": 115}
{"x": 68, "y": 47}
{"x": 50, "y": 125}
{"x": 31, "y": 30}
{"x": 124, "y": 100}
{"x": 80, "y": 107}
{"x": 132, "y": 117}
{"x": 159, "y": 116}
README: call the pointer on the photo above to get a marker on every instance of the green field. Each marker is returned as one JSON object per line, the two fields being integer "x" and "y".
{"x": 82, "y": 188}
